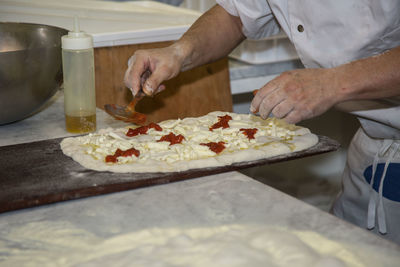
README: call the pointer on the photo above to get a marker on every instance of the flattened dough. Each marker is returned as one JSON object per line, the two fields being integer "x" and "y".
{"x": 273, "y": 137}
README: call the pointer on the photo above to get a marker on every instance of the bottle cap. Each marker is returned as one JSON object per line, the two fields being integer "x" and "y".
{"x": 76, "y": 39}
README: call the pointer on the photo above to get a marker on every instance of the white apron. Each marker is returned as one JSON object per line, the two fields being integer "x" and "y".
{"x": 370, "y": 196}
{"x": 327, "y": 34}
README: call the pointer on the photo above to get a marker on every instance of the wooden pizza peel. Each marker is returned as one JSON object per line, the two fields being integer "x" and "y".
{"x": 38, "y": 173}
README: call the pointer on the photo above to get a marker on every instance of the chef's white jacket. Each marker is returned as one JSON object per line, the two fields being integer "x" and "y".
{"x": 326, "y": 34}
{"x": 330, "y": 33}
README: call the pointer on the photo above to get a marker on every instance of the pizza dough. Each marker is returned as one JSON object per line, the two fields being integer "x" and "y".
{"x": 60, "y": 243}
{"x": 272, "y": 137}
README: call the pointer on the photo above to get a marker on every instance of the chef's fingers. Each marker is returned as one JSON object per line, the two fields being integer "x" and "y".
{"x": 293, "y": 116}
{"x": 261, "y": 94}
{"x": 143, "y": 79}
{"x": 269, "y": 102}
{"x": 136, "y": 68}
{"x": 282, "y": 109}
{"x": 299, "y": 113}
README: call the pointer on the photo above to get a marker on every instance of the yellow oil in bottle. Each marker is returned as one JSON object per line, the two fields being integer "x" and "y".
{"x": 79, "y": 81}
{"x": 80, "y": 124}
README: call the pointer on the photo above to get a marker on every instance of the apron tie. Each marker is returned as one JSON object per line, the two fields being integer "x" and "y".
{"x": 373, "y": 209}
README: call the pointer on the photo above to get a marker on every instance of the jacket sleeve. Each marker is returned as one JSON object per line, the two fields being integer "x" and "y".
{"x": 256, "y": 16}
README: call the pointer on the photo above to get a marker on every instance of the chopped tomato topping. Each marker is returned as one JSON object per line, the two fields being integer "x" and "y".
{"x": 222, "y": 122}
{"x": 111, "y": 158}
{"x": 155, "y": 126}
{"x": 130, "y": 152}
{"x": 143, "y": 129}
{"x": 215, "y": 147}
{"x": 122, "y": 153}
{"x": 140, "y": 130}
{"x": 249, "y": 132}
{"x": 172, "y": 138}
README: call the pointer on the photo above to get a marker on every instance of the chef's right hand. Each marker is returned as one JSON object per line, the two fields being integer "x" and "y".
{"x": 161, "y": 64}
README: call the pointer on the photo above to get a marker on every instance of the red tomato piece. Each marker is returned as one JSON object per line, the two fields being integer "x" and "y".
{"x": 249, "y": 132}
{"x": 143, "y": 129}
{"x": 122, "y": 153}
{"x": 155, "y": 126}
{"x": 222, "y": 122}
{"x": 215, "y": 147}
{"x": 172, "y": 138}
{"x": 140, "y": 130}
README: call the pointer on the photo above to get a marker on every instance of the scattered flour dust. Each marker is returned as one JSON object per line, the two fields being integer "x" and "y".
{"x": 50, "y": 243}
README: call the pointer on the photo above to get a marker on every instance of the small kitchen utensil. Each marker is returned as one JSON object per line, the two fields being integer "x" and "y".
{"x": 128, "y": 113}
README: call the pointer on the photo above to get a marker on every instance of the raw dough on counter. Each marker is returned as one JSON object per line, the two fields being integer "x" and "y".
{"x": 59, "y": 243}
{"x": 272, "y": 137}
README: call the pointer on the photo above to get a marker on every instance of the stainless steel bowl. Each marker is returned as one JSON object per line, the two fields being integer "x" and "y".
{"x": 30, "y": 68}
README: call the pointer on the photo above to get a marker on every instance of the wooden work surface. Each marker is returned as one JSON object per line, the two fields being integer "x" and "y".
{"x": 38, "y": 173}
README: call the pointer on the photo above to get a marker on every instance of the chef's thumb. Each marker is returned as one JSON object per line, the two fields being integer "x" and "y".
{"x": 153, "y": 85}
{"x": 148, "y": 88}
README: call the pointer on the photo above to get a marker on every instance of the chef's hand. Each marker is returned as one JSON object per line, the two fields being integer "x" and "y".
{"x": 297, "y": 95}
{"x": 161, "y": 64}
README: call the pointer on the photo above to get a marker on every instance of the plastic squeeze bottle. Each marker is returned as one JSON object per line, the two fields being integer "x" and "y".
{"x": 78, "y": 72}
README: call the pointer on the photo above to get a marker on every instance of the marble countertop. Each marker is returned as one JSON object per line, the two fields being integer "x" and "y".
{"x": 48, "y": 123}
{"x": 205, "y": 203}
{"x": 217, "y": 200}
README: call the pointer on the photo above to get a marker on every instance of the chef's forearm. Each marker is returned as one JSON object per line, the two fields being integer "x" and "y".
{"x": 212, "y": 36}
{"x": 370, "y": 78}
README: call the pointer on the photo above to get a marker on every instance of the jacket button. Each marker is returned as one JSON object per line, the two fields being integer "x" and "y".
{"x": 300, "y": 28}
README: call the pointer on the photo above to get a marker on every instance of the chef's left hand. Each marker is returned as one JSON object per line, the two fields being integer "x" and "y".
{"x": 297, "y": 95}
